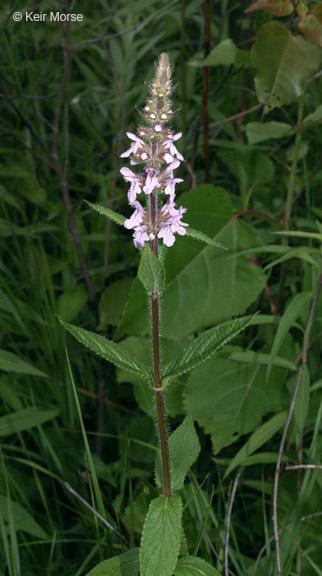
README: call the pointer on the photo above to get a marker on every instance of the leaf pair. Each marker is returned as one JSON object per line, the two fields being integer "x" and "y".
{"x": 199, "y": 351}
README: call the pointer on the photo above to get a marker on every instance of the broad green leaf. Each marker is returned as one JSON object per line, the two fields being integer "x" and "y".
{"x": 107, "y": 349}
{"x": 21, "y": 518}
{"x": 25, "y": 419}
{"x": 302, "y": 400}
{"x": 193, "y": 566}
{"x": 275, "y": 7}
{"x": 126, "y": 564}
{"x": 229, "y": 399}
{"x": 184, "y": 449}
{"x": 118, "y": 218}
{"x": 197, "y": 235}
{"x": 311, "y": 25}
{"x": 290, "y": 315}
{"x": 227, "y": 53}
{"x": 161, "y": 537}
{"x": 112, "y": 302}
{"x": 204, "y": 346}
{"x": 262, "y": 435}
{"x": 71, "y": 302}
{"x": 315, "y": 116}
{"x": 10, "y": 362}
{"x": 260, "y": 131}
{"x": 151, "y": 272}
{"x": 283, "y": 62}
{"x": 200, "y": 278}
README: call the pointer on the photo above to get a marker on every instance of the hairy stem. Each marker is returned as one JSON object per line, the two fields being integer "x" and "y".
{"x": 159, "y": 399}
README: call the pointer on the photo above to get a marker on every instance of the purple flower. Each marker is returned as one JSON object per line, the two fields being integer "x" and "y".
{"x": 136, "y": 184}
{"x": 137, "y": 216}
{"x": 151, "y": 182}
{"x": 137, "y": 145}
{"x": 172, "y": 148}
{"x": 139, "y": 238}
{"x": 170, "y": 222}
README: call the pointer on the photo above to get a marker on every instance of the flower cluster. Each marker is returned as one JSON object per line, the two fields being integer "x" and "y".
{"x": 154, "y": 147}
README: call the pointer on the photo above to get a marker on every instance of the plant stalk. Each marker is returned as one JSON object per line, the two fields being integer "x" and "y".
{"x": 159, "y": 399}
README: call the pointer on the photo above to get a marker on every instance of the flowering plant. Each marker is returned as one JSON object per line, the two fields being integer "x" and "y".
{"x": 154, "y": 154}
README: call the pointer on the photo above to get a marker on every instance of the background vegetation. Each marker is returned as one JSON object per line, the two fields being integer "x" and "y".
{"x": 252, "y": 150}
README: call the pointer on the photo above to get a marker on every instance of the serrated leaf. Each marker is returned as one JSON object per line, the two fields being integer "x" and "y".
{"x": 192, "y": 566}
{"x": 107, "y": 349}
{"x": 275, "y": 7}
{"x": 25, "y": 419}
{"x": 151, "y": 272}
{"x": 290, "y": 315}
{"x": 126, "y": 564}
{"x": 161, "y": 537}
{"x": 118, "y": 218}
{"x": 283, "y": 62}
{"x": 197, "y": 235}
{"x": 259, "y": 131}
{"x": 204, "y": 346}
{"x": 262, "y": 435}
{"x": 184, "y": 449}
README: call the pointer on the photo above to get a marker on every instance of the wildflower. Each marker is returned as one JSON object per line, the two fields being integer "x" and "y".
{"x": 154, "y": 147}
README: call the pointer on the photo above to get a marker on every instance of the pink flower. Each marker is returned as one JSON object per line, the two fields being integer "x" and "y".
{"x": 172, "y": 148}
{"x": 136, "y": 184}
{"x": 170, "y": 223}
{"x": 151, "y": 182}
{"x": 137, "y": 216}
{"x": 137, "y": 145}
{"x": 139, "y": 238}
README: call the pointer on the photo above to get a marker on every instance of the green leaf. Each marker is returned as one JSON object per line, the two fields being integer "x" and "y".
{"x": 259, "y": 358}
{"x": 199, "y": 277}
{"x": 275, "y": 7}
{"x": 161, "y": 537}
{"x": 25, "y": 419}
{"x": 192, "y": 566}
{"x": 126, "y": 564}
{"x": 112, "y": 302}
{"x": 10, "y": 362}
{"x": 311, "y": 25}
{"x": 315, "y": 116}
{"x": 283, "y": 62}
{"x": 204, "y": 346}
{"x": 71, "y": 302}
{"x": 197, "y": 235}
{"x": 300, "y": 234}
{"x": 107, "y": 349}
{"x": 227, "y": 53}
{"x": 290, "y": 315}
{"x": 302, "y": 400}
{"x": 262, "y": 435}
{"x": 228, "y": 399}
{"x": 258, "y": 131}
{"x": 21, "y": 518}
{"x": 118, "y": 218}
{"x": 184, "y": 449}
{"x": 151, "y": 272}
